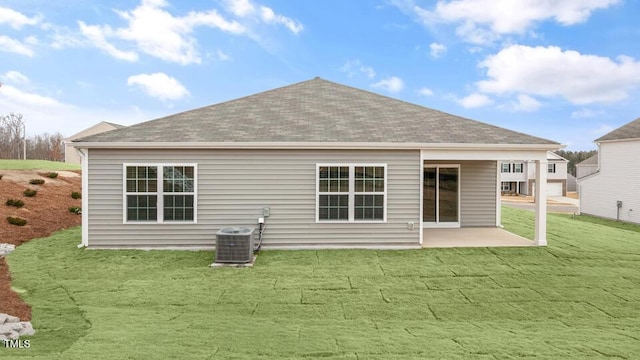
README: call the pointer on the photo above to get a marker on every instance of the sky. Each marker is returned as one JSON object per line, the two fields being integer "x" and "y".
{"x": 565, "y": 70}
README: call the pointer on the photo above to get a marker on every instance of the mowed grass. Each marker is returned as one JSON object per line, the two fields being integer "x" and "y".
{"x": 577, "y": 298}
{"x": 36, "y": 165}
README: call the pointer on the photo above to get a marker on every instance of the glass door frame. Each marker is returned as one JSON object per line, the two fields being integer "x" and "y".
{"x": 437, "y": 223}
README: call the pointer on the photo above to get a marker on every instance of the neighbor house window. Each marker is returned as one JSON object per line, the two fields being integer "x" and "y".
{"x": 506, "y": 186}
{"x": 160, "y": 193}
{"x": 506, "y": 167}
{"x": 517, "y": 168}
{"x": 551, "y": 168}
{"x": 351, "y": 192}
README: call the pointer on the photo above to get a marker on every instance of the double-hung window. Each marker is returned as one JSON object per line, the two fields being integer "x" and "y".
{"x": 551, "y": 168}
{"x": 160, "y": 193}
{"x": 517, "y": 168}
{"x": 506, "y": 167}
{"x": 350, "y": 193}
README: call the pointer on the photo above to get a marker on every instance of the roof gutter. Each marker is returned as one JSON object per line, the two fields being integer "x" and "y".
{"x": 315, "y": 146}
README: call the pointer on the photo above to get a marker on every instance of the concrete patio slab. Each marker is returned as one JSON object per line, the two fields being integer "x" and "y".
{"x": 472, "y": 237}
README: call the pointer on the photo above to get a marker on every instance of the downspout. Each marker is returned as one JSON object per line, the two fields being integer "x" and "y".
{"x": 84, "y": 159}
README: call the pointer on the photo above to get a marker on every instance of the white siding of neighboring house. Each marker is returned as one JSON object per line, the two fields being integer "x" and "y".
{"x": 235, "y": 185}
{"x": 70, "y": 154}
{"x": 618, "y": 179}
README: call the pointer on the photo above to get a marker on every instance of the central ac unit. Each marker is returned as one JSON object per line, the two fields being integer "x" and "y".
{"x": 234, "y": 245}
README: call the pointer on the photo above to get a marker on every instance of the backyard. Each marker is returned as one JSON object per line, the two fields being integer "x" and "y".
{"x": 577, "y": 298}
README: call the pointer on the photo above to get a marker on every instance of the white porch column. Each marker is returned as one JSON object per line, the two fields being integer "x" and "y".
{"x": 541, "y": 203}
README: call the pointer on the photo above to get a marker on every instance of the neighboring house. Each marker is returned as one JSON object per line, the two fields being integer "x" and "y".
{"x": 330, "y": 166}
{"x": 613, "y": 191}
{"x": 587, "y": 166}
{"x": 519, "y": 177}
{"x": 70, "y": 154}
{"x": 572, "y": 183}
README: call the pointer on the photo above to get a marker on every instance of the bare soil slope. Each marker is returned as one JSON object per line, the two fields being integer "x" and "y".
{"x": 45, "y": 213}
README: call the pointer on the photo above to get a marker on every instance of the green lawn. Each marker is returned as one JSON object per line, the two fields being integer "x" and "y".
{"x": 577, "y": 298}
{"x": 36, "y": 165}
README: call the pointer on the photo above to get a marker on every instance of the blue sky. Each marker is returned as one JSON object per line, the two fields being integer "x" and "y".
{"x": 564, "y": 70}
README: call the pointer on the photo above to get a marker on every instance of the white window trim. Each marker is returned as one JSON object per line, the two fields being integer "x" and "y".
{"x": 438, "y": 223}
{"x": 502, "y": 168}
{"x": 352, "y": 193}
{"x": 160, "y": 193}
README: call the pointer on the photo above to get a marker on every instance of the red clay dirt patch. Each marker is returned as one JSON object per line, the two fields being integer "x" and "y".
{"x": 46, "y": 213}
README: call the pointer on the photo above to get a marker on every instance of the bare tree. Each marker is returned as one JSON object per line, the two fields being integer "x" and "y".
{"x": 12, "y": 136}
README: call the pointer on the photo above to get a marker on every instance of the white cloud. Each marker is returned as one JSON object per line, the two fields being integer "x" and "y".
{"x": 436, "y": 50}
{"x": 602, "y": 129}
{"x": 549, "y": 71}
{"x": 222, "y": 56}
{"x": 261, "y": 13}
{"x": 475, "y": 100}
{"x": 270, "y": 17}
{"x": 352, "y": 67}
{"x": 96, "y": 35}
{"x": 14, "y": 77}
{"x": 10, "y": 45}
{"x": 425, "y": 91}
{"x": 586, "y": 113}
{"x": 525, "y": 103}
{"x": 240, "y": 8}
{"x": 159, "y": 85}
{"x": 391, "y": 84}
{"x": 15, "y": 19}
{"x": 10, "y": 94}
{"x": 152, "y": 30}
{"x": 484, "y": 21}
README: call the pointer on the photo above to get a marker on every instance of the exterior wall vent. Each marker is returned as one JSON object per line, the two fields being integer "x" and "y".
{"x": 234, "y": 245}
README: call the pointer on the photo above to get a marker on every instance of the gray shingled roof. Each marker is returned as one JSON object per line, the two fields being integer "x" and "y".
{"x": 592, "y": 160}
{"x": 316, "y": 110}
{"x": 629, "y": 131}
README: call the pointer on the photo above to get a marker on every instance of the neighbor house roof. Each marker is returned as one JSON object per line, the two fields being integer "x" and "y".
{"x": 316, "y": 111}
{"x": 628, "y": 131}
{"x": 100, "y": 127}
{"x": 592, "y": 160}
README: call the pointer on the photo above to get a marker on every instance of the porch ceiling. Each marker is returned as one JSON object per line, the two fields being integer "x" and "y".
{"x": 472, "y": 237}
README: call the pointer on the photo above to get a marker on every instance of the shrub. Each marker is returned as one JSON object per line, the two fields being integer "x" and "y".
{"x": 16, "y": 221}
{"x": 36, "y": 181}
{"x": 75, "y": 210}
{"x": 0, "y": 176}
{"x": 16, "y": 203}
{"x": 76, "y": 195}
{"x": 29, "y": 193}
{"x": 52, "y": 175}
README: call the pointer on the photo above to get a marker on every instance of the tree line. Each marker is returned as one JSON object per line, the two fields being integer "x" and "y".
{"x": 574, "y": 158}
{"x": 41, "y": 147}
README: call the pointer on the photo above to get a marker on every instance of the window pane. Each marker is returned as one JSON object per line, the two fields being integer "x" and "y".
{"x": 333, "y": 207}
{"x": 344, "y": 185}
{"x": 369, "y": 207}
{"x": 142, "y": 186}
{"x": 178, "y": 208}
{"x": 333, "y": 185}
{"x": 379, "y": 186}
{"x": 324, "y": 172}
{"x": 131, "y": 185}
{"x": 152, "y": 185}
{"x": 142, "y": 207}
{"x": 344, "y": 172}
{"x": 379, "y": 172}
{"x": 359, "y": 172}
{"x": 359, "y": 185}
{"x": 324, "y": 185}
{"x": 368, "y": 185}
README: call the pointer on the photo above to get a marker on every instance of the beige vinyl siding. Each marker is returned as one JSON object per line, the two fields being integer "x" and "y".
{"x": 477, "y": 192}
{"x": 235, "y": 185}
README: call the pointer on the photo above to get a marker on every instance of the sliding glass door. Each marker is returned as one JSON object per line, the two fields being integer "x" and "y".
{"x": 441, "y": 195}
